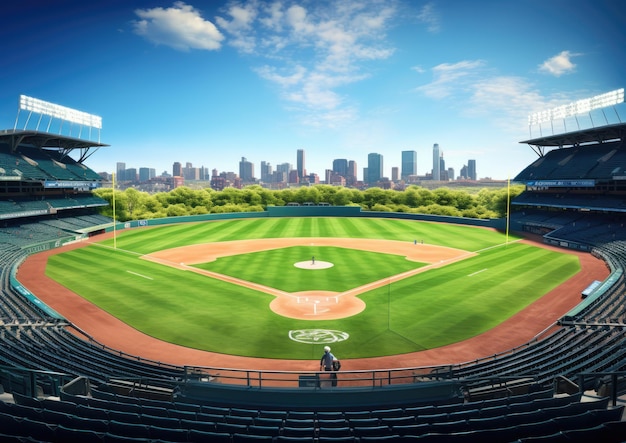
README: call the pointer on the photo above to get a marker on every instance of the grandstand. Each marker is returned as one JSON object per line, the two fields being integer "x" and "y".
{"x": 59, "y": 385}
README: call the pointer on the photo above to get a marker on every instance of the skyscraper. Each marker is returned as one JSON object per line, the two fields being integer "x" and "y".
{"x": 340, "y": 166}
{"x": 300, "y": 165}
{"x": 436, "y": 162}
{"x": 351, "y": 174}
{"x": 394, "y": 174}
{"x": 246, "y": 170}
{"x": 177, "y": 169}
{"x": 409, "y": 164}
{"x": 374, "y": 168}
{"x": 120, "y": 170}
{"x": 471, "y": 170}
{"x": 266, "y": 172}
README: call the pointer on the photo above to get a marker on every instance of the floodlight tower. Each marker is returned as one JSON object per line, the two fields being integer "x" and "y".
{"x": 574, "y": 109}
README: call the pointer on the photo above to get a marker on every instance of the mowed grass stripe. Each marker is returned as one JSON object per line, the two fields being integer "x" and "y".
{"x": 276, "y": 268}
{"x": 153, "y": 239}
{"x": 430, "y": 309}
{"x": 459, "y": 314}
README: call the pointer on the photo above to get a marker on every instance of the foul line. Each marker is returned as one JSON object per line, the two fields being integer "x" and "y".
{"x": 477, "y": 272}
{"x": 139, "y": 275}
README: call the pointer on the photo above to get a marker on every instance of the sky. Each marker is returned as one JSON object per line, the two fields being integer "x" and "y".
{"x": 210, "y": 82}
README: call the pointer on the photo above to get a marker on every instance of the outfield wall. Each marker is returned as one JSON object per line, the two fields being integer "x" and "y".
{"x": 313, "y": 211}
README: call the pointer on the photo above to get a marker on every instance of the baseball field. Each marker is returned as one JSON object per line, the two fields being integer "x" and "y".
{"x": 280, "y": 287}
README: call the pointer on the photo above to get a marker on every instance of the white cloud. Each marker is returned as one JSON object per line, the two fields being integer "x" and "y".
{"x": 449, "y": 78}
{"x": 312, "y": 50}
{"x": 181, "y": 27}
{"x": 478, "y": 92}
{"x": 430, "y": 17}
{"x": 559, "y": 64}
{"x": 239, "y": 25}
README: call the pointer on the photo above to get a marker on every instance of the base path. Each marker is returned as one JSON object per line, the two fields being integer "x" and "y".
{"x": 313, "y": 305}
{"x": 112, "y": 332}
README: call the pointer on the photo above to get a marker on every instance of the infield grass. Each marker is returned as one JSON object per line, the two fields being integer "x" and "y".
{"x": 428, "y": 310}
{"x": 275, "y": 268}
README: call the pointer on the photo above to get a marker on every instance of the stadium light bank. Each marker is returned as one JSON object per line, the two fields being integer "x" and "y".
{"x": 574, "y": 109}
{"x": 58, "y": 115}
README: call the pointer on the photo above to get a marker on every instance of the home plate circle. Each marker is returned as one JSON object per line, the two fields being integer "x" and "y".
{"x": 317, "y": 264}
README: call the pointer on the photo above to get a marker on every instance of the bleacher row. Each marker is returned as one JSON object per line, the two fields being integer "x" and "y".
{"x": 41, "y": 164}
{"x": 596, "y": 230}
{"x": 17, "y": 208}
{"x": 113, "y": 418}
{"x": 29, "y": 338}
{"x": 600, "y": 161}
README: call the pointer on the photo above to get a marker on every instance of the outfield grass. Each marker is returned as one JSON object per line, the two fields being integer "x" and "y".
{"x": 428, "y": 310}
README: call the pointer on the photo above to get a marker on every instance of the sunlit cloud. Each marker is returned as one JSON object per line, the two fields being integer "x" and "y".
{"x": 430, "y": 16}
{"x": 180, "y": 26}
{"x": 559, "y": 64}
{"x": 312, "y": 51}
{"x": 477, "y": 91}
{"x": 448, "y": 78}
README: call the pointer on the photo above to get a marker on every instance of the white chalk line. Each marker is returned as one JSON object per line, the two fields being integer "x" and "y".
{"x": 140, "y": 275}
{"x": 477, "y": 272}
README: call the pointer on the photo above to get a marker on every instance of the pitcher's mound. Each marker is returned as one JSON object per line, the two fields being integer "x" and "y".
{"x": 310, "y": 265}
{"x": 317, "y": 305}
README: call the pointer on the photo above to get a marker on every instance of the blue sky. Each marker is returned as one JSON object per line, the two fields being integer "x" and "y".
{"x": 209, "y": 82}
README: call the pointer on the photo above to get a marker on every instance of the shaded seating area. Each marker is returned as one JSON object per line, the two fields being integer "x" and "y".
{"x": 106, "y": 417}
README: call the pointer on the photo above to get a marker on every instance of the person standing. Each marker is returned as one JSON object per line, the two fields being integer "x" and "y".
{"x": 326, "y": 364}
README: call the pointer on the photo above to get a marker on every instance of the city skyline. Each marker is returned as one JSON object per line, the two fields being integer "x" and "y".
{"x": 347, "y": 168}
{"x": 216, "y": 81}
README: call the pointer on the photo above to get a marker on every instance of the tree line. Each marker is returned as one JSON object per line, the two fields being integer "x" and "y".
{"x": 132, "y": 204}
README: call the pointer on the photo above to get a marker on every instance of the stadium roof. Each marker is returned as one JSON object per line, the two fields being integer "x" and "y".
{"x": 586, "y": 136}
{"x": 38, "y": 139}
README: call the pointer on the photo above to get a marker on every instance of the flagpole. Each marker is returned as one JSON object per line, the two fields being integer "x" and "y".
{"x": 114, "y": 221}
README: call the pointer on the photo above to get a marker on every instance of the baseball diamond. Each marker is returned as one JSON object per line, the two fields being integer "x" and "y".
{"x": 371, "y": 310}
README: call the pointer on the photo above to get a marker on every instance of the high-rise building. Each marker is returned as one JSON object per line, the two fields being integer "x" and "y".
{"x": 409, "y": 164}
{"x": 293, "y": 177}
{"x": 442, "y": 168}
{"x": 351, "y": 174}
{"x": 374, "y": 168}
{"x": 340, "y": 166}
{"x": 120, "y": 169}
{"x": 246, "y": 170}
{"x": 300, "y": 165}
{"x": 395, "y": 175}
{"x": 284, "y": 168}
{"x": 463, "y": 174}
{"x": 146, "y": 174}
{"x": 130, "y": 175}
{"x": 266, "y": 172}
{"x": 471, "y": 170}
{"x": 177, "y": 169}
{"x": 436, "y": 162}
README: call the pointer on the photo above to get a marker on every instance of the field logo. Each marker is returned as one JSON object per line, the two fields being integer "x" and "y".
{"x": 318, "y": 336}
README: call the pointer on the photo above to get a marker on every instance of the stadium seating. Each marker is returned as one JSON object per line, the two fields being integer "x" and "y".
{"x": 41, "y": 342}
{"x": 512, "y": 396}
